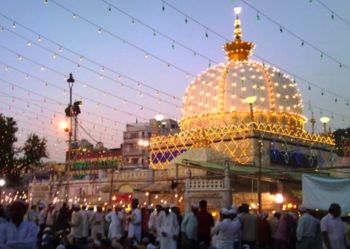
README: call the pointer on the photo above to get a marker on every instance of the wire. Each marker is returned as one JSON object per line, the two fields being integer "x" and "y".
{"x": 256, "y": 55}
{"x": 334, "y": 13}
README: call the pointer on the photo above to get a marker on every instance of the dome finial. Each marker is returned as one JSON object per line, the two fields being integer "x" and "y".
{"x": 238, "y": 50}
{"x": 238, "y": 30}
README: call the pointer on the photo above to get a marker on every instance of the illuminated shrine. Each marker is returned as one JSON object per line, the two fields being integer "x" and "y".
{"x": 234, "y": 106}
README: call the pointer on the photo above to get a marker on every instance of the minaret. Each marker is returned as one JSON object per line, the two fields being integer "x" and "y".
{"x": 238, "y": 50}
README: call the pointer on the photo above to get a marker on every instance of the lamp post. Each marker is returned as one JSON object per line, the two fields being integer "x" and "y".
{"x": 143, "y": 144}
{"x": 324, "y": 121}
{"x": 70, "y": 112}
{"x": 2, "y": 184}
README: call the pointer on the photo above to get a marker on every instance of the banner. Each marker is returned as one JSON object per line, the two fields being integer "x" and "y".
{"x": 320, "y": 192}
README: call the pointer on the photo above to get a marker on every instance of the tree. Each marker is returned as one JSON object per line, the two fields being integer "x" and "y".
{"x": 342, "y": 141}
{"x": 34, "y": 149}
{"x": 8, "y": 129}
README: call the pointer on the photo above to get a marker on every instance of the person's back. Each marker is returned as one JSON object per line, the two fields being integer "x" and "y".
{"x": 332, "y": 228}
{"x": 249, "y": 226}
{"x": 205, "y": 223}
{"x": 249, "y": 222}
{"x": 18, "y": 233}
{"x": 224, "y": 231}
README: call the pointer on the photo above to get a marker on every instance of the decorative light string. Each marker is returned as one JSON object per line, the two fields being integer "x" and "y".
{"x": 54, "y": 111}
{"x": 104, "y": 134}
{"x": 322, "y": 89}
{"x": 127, "y": 42}
{"x": 46, "y": 83}
{"x": 85, "y": 83}
{"x": 302, "y": 40}
{"x": 333, "y": 14}
{"x": 91, "y": 70}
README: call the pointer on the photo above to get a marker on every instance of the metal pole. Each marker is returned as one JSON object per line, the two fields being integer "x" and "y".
{"x": 70, "y": 82}
{"x": 259, "y": 179}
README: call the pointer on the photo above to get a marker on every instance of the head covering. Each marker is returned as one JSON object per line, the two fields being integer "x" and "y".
{"x": 172, "y": 205}
{"x": 302, "y": 208}
{"x": 224, "y": 211}
{"x": 165, "y": 205}
{"x": 233, "y": 210}
{"x": 150, "y": 207}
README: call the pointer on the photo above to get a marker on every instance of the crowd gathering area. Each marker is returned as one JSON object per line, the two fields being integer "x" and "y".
{"x": 59, "y": 226}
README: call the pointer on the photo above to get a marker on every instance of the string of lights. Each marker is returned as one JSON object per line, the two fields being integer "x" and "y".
{"x": 91, "y": 70}
{"x": 303, "y": 42}
{"x": 100, "y": 29}
{"x": 84, "y": 84}
{"x": 54, "y": 111}
{"x": 296, "y": 76}
{"x": 14, "y": 98}
{"x": 106, "y": 137}
{"x": 85, "y": 58}
{"x": 47, "y": 83}
{"x": 113, "y": 81}
{"x": 333, "y": 14}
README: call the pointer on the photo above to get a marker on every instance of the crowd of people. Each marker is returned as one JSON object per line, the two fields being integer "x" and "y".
{"x": 163, "y": 227}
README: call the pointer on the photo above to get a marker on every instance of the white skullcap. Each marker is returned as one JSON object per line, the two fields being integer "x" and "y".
{"x": 150, "y": 207}
{"x": 165, "y": 205}
{"x": 172, "y": 205}
{"x": 224, "y": 211}
{"x": 233, "y": 210}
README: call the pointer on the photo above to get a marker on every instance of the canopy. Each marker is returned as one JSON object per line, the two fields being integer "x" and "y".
{"x": 320, "y": 192}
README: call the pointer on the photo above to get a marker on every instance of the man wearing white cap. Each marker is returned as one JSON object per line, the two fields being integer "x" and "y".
{"x": 76, "y": 232}
{"x": 134, "y": 228}
{"x": 306, "y": 229}
{"x": 168, "y": 228}
{"x": 18, "y": 233}
{"x": 114, "y": 218}
{"x": 236, "y": 223}
{"x": 223, "y": 231}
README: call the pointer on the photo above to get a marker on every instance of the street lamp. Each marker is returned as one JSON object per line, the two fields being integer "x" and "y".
{"x": 69, "y": 113}
{"x": 2, "y": 184}
{"x": 159, "y": 117}
{"x": 251, "y": 100}
{"x": 324, "y": 121}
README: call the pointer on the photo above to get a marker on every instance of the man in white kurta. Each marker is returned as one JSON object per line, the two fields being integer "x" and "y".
{"x": 85, "y": 223}
{"x": 18, "y": 234}
{"x": 224, "y": 231}
{"x": 115, "y": 230}
{"x": 76, "y": 232}
{"x": 168, "y": 229}
{"x": 332, "y": 228}
{"x": 134, "y": 227}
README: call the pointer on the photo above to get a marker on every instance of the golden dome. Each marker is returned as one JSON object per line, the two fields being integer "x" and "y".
{"x": 218, "y": 96}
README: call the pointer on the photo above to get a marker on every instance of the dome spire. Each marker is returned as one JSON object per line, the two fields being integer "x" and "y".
{"x": 238, "y": 50}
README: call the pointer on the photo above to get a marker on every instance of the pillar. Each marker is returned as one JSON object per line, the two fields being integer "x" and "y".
{"x": 227, "y": 186}
{"x": 187, "y": 191}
